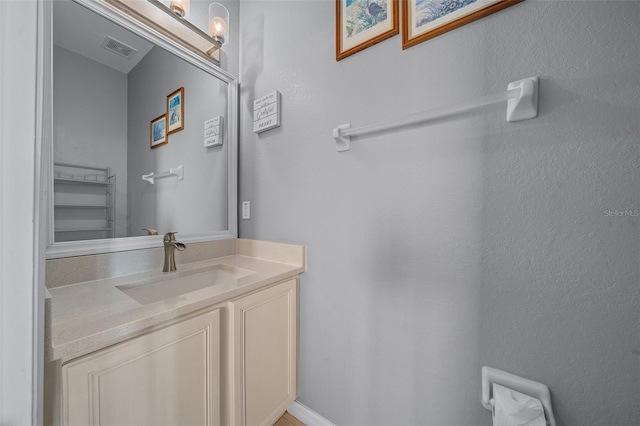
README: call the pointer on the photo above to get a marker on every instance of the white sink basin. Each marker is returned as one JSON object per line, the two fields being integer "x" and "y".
{"x": 174, "y": 284}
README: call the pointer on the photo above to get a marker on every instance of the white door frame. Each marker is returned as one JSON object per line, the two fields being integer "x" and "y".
{"x": 21, "y": 260}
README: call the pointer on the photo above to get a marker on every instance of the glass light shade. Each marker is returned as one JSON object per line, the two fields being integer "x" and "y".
{"x": 182, "y": 8}
{"x": 219, "y": 23}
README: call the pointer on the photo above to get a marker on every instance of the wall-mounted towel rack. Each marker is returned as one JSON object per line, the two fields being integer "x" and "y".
{"x": 151, "y": 177}
{"x": 522, "y": 104}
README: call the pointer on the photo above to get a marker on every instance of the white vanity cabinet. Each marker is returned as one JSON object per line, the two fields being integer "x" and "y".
{"x": 234, "y": 363}
{"x": 167, "y": 377}
{"x": 264, "y": 333}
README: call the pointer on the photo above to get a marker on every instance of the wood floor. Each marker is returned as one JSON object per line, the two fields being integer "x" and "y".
{"x": 288, "y": 420}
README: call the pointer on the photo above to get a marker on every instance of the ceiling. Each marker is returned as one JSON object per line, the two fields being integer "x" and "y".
{"x": 82, "y": 31}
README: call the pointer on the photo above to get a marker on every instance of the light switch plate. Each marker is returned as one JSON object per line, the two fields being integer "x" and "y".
{"x": 246, "y": 210}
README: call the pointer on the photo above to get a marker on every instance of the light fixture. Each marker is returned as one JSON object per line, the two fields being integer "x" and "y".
{"x": 181, "y": 8}
{"x": 219, "y": 23}
{"x": 165, "y": 17}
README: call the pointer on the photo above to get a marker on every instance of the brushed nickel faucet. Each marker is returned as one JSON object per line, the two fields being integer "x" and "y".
{"x": 170, "y": 247}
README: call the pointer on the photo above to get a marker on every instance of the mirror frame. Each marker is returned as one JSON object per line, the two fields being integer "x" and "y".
{"x": 167, "y": 42}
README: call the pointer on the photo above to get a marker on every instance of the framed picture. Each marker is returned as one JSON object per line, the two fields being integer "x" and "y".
{"x": 175, "y": 111}
{"x": 425, "y": 19}
{"x": 158, "y": 131}
{"x": 363, "y": 23}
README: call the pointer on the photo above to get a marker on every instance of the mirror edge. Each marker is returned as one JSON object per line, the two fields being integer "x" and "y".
{"x": 89, "y": 247}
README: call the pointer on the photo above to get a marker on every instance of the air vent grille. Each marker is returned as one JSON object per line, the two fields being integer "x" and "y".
{"x": 118, "y": 47}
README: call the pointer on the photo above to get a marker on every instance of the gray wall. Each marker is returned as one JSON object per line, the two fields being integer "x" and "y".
{"x": 90, "y": 120}
{"x": 199, "y": 202}
{"x": 437, "y": 250}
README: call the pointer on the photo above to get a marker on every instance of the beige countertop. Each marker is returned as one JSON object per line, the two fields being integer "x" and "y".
{"x": 91, "y": 315}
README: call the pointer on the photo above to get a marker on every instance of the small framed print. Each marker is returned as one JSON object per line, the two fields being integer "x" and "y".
{"x": 426, "y": 19}
{"x": 175, "y": 111}
{"x": 363, "y": 23}
{"x": 158, "y": 131}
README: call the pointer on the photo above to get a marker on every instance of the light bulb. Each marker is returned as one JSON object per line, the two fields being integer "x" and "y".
{"x": 217, "y": 27}
{"x": 219, "y": 23}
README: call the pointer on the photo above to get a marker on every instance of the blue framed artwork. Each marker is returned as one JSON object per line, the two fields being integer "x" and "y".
{"x": 425, "y": 19}
{"x": 158, "y": 131}
{"x": 175, "y": 111}
{"x": 363, "y": 23}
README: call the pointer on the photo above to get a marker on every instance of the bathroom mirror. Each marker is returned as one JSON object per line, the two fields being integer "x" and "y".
{"x": 127, "y": 102}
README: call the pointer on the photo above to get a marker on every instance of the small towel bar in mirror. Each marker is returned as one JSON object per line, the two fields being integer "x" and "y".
{"x": 151, "y": 177}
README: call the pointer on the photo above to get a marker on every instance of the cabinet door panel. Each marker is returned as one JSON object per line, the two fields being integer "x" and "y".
{"x": 167, "y": 377}
{"x": 265, "y": 339}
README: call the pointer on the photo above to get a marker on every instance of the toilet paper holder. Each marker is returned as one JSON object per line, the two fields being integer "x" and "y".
{"x": 517, "y": 383}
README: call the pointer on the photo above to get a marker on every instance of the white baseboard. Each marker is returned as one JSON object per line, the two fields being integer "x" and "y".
{"x": 307, "y": 415}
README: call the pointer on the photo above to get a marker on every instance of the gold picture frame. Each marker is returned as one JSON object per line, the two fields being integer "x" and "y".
{"x": 175, "y": 111}
{"x": 158, "y": 131}
{"x": 363, "y": 23}
{"x": 425, "y": 19}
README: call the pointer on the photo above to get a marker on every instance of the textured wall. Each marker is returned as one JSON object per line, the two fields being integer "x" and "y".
{"x": 437, "y": 250}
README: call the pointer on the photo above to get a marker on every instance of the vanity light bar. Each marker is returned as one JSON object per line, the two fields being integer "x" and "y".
{"x": 160, "y": 18}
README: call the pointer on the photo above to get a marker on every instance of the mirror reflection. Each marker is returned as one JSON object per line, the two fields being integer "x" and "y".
{"x": 124, "y": 108}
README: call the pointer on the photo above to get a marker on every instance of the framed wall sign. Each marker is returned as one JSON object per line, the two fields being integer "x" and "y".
{"x": 213, "y": 129}
{"x": 175, "y": 111}
{"x": 363, "y": 23}
{"x": 158, "y": 131}
{"x": 425, "y": 19}
{"x": 266, "y": 112}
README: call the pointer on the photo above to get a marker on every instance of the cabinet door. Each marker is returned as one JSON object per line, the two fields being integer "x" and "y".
{"x": 167, "y": 377}
{"x": 265, "y": 332}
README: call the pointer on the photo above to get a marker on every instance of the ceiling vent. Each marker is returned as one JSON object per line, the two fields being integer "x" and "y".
{"x": 118, "y": 47}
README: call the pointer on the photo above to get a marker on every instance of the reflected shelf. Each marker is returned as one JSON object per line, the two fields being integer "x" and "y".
{"x": 83, "y": 229}
{"x": 79, "y": 206}
{"x": 81, "y": 182}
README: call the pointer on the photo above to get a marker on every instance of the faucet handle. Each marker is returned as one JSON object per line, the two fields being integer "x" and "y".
{"x": 170, "y": 236}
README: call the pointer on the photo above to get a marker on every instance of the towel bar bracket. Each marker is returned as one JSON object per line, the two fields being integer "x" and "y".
{"x": 525, "y": 105}
{"x": 343, "y": 142}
